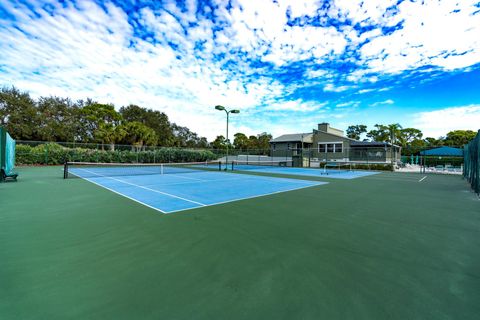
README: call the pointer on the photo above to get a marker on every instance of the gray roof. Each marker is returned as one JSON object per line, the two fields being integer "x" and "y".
{"x": 357, "y": 143}
{"x": 295, "y": 137}
{"x": 334, "y": 134}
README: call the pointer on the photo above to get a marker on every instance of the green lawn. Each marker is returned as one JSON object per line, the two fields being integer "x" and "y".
{"x": 380, "y": 247}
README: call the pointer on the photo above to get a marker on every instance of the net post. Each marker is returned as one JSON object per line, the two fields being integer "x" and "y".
{"x": 65, "y": 170}
{"x": 161, "y": 168}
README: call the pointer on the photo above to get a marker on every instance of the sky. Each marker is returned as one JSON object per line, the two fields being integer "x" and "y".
{"x": 286, "y": 65}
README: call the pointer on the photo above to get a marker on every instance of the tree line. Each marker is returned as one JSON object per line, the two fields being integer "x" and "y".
{"x": 242, "y": 142}
{"x": 57, "y": 119}
{"x": 408, "y": 137}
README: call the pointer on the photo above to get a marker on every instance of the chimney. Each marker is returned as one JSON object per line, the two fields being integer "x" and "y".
{"x": 324, "y": 126}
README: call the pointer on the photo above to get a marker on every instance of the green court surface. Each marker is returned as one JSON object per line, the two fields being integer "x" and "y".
{"x": 385, "y": 246}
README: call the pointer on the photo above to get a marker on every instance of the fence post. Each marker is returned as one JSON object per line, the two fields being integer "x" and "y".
{"x": 46, "y": 153}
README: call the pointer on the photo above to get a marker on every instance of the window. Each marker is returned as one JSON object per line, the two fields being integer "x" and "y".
{"x": 334, "y": 147}
{"x": 274, "y": 146}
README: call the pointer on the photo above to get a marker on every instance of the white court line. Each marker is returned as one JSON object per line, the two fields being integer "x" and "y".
{"x": 188, "y": 178}
{"x": 246, "y": 177}
{"x": 123, "y": 195}
{"x": 392, "y": 178}
{"x": 251, "y": 197}
{"x": 190, "y": 182}
{"x": 315, "y": 183}
{"x": 422, "y": 179}
{"x": 153, "y": 190}
{"x": 186, "y": 182}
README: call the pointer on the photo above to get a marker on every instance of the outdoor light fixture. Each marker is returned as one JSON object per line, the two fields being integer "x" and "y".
{"x": 222, "y": 108}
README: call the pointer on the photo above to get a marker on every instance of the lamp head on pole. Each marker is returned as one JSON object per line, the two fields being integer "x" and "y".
{"x": 235, "y": 111}
{"x": 220, "y": 107}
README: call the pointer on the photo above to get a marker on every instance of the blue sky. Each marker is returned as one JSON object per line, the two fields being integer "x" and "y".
{"x": 287, "y": 65}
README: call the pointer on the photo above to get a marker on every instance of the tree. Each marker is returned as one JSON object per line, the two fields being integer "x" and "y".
{"x": 99, "y": 121}
{"x": 383, "y": 133}
{"x": 432, "y": 142}
{"x": 458, "y": 138}
{"x": 252, "y": 142}
{"x": 407, "y": 136}
{"x": 219, "y": 143}
{"x": 133, "y": 113}
{"x": 183, "y": 137}
{"x": 110, "y": 134}
{"x": 203, "y": 143}
{"x": 138, "y": 135}
{"x": 354, "y": 132}
{"x": 156, "y": 120}
{"x": 240, "y": 141}
{"x": 18, "y": 114}
{"x": 263, "y": 141}
{"x": 56, "y": 118}
{"x": 380, "y": 134}
{"x": 394, "y": 132}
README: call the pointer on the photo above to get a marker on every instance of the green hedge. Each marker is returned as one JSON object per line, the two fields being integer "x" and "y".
{"x": 368, "y": 166}
{"x": 52, "y": 153}
{"x": 374, "y": 166}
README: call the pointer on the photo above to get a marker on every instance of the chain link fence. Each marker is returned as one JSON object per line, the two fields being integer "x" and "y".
{"x": 414, "y": 159}
{"x": 472, "y": 163}
{"x": 55, "y": 153}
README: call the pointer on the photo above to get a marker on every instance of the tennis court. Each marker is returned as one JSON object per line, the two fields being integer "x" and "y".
{"x": 384, "y": 246}
{"x": 174, "y": 187}
{"x": 334, "y": 171}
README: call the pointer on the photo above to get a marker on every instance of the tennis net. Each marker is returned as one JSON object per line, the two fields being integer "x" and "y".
{"x": 92, "y": 169}
{"x": 337, "y": 167}
{"x": 252, "y": 165}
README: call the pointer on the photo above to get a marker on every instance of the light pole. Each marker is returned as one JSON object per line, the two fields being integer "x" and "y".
{"x": 228, "y": 113}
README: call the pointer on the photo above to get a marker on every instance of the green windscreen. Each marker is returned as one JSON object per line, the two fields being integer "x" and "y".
{"x": 471, "y": 169}
{"x": 9, "y": 154}
{"x": 2, "y": 148}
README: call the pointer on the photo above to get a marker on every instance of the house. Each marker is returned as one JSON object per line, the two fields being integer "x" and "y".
{"x": 293, "y": 142}
{"x": 326, "y": 144}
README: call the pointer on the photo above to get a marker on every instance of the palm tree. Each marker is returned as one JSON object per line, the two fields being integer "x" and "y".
{"x": 394, "y": 131}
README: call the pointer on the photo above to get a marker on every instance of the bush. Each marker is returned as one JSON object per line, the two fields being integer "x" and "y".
{"x": 54, "y": 154}
{"x": 374, "y": 166}
{"x": 368, "y": 166}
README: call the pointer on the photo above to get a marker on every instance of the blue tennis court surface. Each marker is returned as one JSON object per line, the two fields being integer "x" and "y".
{"x": 169, "y": 193}
{"x": 313, "y": 172}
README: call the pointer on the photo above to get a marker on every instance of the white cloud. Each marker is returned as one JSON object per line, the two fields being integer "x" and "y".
{"x": 350, "y": 104}
{"x": 438, "y": 33}
{"x": 385, "y": 102}
{"x": 365, "y": 91}
{"x": 84, "y": 52}
{"x": 317, "y": 73}
{"x": 330, "y": 87}
{"x": 384, "y": 89}
{"x": 439, "y": 122}
{"x": 183, "y": 64}
{"x": 297, "y": 105}
{"x": 261, "y": 27}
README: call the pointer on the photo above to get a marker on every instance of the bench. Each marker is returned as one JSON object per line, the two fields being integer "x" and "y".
{"x": 8, "y": 176}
